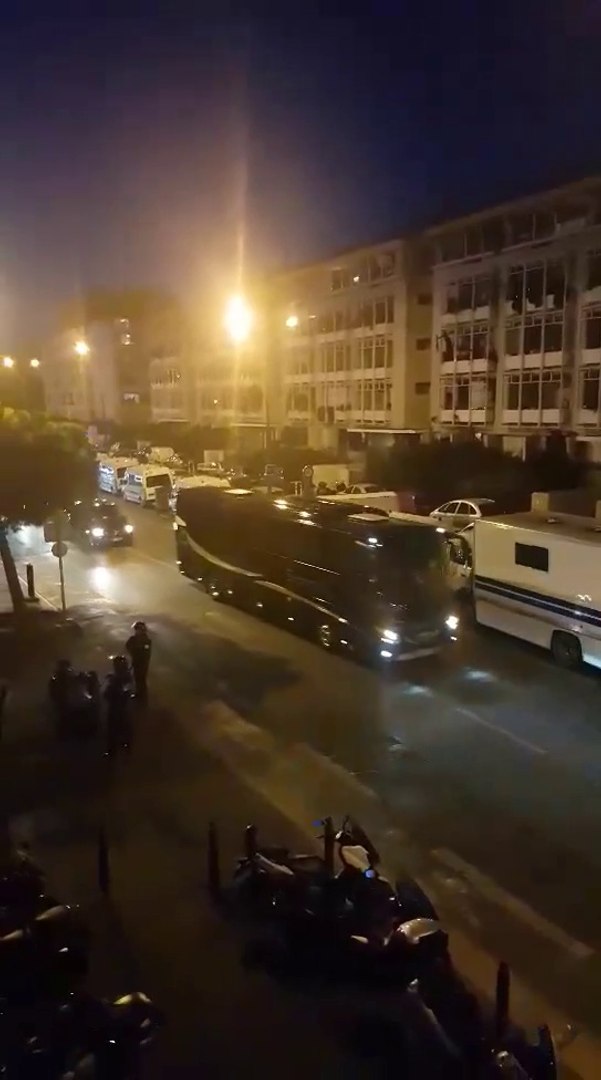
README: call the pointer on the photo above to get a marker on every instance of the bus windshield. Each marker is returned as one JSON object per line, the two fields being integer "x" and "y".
{"x": 412, "y": 566}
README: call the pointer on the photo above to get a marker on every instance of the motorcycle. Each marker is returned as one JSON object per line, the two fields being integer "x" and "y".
{"x": 352, "y": 921}
{"x": 78, "y": 1037}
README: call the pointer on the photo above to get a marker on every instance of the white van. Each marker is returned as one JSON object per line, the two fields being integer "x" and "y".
{"x": 141, "y": 483}
{"x": 111, "y": 474}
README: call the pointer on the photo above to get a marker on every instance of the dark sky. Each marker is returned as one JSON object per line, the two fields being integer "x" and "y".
{"x": 145, "y": 148}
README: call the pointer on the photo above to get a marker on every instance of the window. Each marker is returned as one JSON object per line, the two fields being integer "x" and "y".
{"x": 465, "y": 296}
{"x": 446, "y": 395}
{"x": 531, "y": 390}
{"x": 451, "y": 305}
{"x": 388, "y": 396}
{"x": 589, "y": 390}
{"x": 367, "y": 315}
{"x": 462, "y": 397}
{"x": 358, "y": 360}
{"x": 482, "y": 288}
{"x": 368, "y": 353}
{"x": 379, "y": 397}
{"x": 367, "y": 397}
{"x": 424, "y": 298}
{"x": 389, "y": 352}
{"x": 340, "y": 279}
{"x": 592, "y": 331}
{"x": 339, "y": 319}
{"x": 422, "y": 388}
{"x": 512, "y": 340}
{"x": 515, "y": 289}
{"x": 553, "y": 337}
{"x": 550, "y": 390}
{"x": 594, "y": 270}
{"x": 380, "y": 352}
{"x": 533, "y": 556}
{"x": 512, "y": 392}
{"x": 479, "y": 342}
{"x": 380, "y": 311}
{"x": 339, "y": 357}
{"x": 533, "y": 337}
{"x": 555, "y": 286}
{"x": 389, "y": 309}
{"x": 464, "y": 344}
{"x": 329, "y": 357}
{"x": 422, "y": 343}
{"x": 388, "y": 260}
{"x": 534, "y": 287}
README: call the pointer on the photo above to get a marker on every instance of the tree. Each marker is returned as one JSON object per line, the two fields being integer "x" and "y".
{"x": 444, "y": 470}
{"x": 44, "y": 466}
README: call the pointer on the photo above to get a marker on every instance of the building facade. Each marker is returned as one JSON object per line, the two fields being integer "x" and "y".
{"x": 234, "y": 391}
{"x": 352, "y": 345}
{"x": 516, "y": 338}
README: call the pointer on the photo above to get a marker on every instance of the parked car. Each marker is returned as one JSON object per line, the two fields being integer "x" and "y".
{"x": 100, "y": 524}
{"x": 460, "y": 512}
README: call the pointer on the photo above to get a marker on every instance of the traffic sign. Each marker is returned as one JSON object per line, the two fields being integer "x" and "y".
{"x": 59, "y": 550}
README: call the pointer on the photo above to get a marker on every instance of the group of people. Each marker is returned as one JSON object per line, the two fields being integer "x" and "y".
{"x": 77, "y": 696}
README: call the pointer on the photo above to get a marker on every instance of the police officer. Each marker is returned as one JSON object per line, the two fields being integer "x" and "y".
{"x": 139, "y": 647}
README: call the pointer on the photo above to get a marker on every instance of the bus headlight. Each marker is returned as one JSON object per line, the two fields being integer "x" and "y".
{"x": 97, "y": 532}
{"x": 391, "y": 637}
{"x": 452, "y": 622}
{"x": 128, "y": 529}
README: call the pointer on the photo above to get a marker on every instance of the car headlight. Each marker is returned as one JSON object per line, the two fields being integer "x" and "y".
{"x": 128, "y": 528}
{"x": 452, "y": 622}
{"x": 391, "y": 637}
{"x": 97, "y": 532}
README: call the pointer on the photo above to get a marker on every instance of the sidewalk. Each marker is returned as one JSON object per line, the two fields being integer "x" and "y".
{"x": 159, "y": 932}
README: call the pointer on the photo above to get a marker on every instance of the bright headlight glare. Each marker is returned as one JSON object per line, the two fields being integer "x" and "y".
{"x": 97, "y": 532}
{"x": 128, "y": 529}
{"x": 452, "y": 622}
{"x": 390, "y": 636}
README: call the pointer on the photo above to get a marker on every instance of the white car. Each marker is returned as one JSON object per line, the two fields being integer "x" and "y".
{"x": 460, "y": 512}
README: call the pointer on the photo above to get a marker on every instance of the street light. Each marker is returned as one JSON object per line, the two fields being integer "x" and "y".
{"x": 8, "y": 362}
{"x": 81, "y": 348}
{"x": 238, "y": 319}
{"x": 34, "y": 362}
{"x": 292, "y": 322}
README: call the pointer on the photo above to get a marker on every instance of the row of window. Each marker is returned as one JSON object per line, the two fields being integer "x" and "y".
{"x": 367, "y": 314}
{"x": 371, "y": 269}
{"x": 525, "y": 390}
{"x": 520, "y": 228}
{"x": 529, "y": 288}
{"x": 525, "y": 336}
{"x": 373, "y": 352}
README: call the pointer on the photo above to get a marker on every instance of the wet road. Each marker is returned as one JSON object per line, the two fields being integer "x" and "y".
{"x": 488, "y": 760}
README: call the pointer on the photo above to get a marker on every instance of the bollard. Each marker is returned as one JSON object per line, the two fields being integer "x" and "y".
{"x": 329, "y": 837}
{"x": 104, "y": 869}
{"x": 250, "y": 842}
{"x": 502, "y": 1002}
{"x": 30, "y": 582}
{"x": 213, "y": 867}
{"x": 3, "y": 697}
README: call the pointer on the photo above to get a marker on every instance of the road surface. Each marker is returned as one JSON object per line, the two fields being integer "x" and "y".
{"x": 486, "y": 763}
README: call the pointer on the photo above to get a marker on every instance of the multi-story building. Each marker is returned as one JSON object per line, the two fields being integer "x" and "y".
{"x": 517, "y": 320}
{"x": 352, "y": 344}
{"x": 234, "y": 391}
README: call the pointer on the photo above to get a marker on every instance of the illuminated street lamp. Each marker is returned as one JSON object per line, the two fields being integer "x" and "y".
{"x": 34, "y": 362}
{"x": 238, "y": 319}
{"x": 292, "y": 322}
{"x": 8, "y": 362}
{"x": 81, "y": 348}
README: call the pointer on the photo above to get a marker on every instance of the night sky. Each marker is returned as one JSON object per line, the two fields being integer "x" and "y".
{"x": 151, "y": 149}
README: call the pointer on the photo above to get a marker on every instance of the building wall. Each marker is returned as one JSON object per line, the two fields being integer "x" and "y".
{"x": 516, "y": 344}
{"x": 352, "y": 344}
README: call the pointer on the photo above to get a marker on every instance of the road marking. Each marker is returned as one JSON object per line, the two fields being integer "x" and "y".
{"x": 518, "y": 908}
{"x": 40, "y": 594}
{"x": 525, "y": 743}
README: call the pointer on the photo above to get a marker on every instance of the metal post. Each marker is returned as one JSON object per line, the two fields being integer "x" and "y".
{"x": 329, "y": 837}
{"x": 250, "y": 842}
{"x": 502, "y": 1002}
{"x": 104, "y": 869}
{"x": 61, "y": 578}
{"x": 30, "y": 582}
{"x": 213, "y": 867}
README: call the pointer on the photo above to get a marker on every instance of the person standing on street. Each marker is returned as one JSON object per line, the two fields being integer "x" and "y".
{"x": 139, "y": 647}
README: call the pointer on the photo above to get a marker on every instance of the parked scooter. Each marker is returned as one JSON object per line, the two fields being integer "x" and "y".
{"x": 351, "y": 922}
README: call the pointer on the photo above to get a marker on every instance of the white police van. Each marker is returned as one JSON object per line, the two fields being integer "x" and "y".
{"x": 111, "y": 474}
{"x": 142, "y": 481}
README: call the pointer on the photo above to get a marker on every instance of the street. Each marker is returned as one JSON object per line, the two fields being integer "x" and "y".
{"x": 466, "y": 763}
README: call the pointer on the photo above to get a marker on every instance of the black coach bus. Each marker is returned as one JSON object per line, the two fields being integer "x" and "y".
{"x": 357, "y": 580}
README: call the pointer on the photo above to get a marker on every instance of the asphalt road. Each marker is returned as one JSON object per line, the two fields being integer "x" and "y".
{"x": 487, "y": 760}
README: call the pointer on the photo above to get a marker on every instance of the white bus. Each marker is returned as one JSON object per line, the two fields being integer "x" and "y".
{"x": 111, "y": 474}
{"x": 538, "y": 577}
{"x": 141, "y": 483}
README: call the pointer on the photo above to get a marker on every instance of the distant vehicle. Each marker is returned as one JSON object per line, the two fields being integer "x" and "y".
{"x": 537, "y": 577}
{"x": 376, "y": 498}
{"x": 141, "y": 483}
{"x": 160, "y": 454}
{"x": 358, "y": 581}
{"x": 111, "y": 474}
{"x": 461, "y": 512}
{"x": 184, "y": 483}
{"x": 100, "y": 524}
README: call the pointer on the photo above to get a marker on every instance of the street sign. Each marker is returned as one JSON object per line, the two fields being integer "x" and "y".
{"x": 59, "y": 549}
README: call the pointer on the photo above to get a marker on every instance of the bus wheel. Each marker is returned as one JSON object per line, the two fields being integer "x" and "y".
{"x": 325, "y": 636}
{"x": 566, "y": 650}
